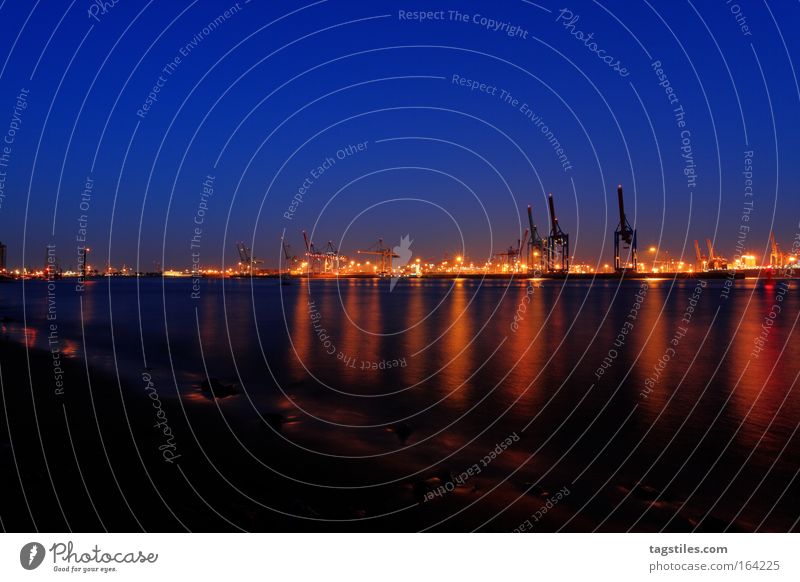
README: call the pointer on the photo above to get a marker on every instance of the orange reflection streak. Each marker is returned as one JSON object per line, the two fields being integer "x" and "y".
{"x": 349, "y": 347}
{"x": 300, "y": 332}
{"x": 525, "y": 316}
{"x": 760, "y": 387}
{"x": 370, "y": 318}
{"x": 455, "y": 373}
{"x": 538, "y": 352}
{"x": 648, "y": 324}
{"x": 358, "y": 349}
{"x": 417, "y": 335}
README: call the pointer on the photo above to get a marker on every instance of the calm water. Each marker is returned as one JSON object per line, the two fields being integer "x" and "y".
{"x": 665, "y": 384}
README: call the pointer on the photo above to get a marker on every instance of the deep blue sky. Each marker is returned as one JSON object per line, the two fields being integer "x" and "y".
{"x": 246, "y": 95}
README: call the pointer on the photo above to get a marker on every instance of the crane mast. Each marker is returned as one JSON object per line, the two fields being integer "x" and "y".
{"x": 513, "y": 256}
{"x": 291, "y": 260}
{"x": 385, "y": 255}
{"x": 315, "y": 258}
{"x": 536, "y": 246}
{"x": 626, "y": 234}
{"x": 775, "y": 256}
{"x": 247, "y": 262}
{"x": 701, "y": 263}
{"x": 557, "y": 243}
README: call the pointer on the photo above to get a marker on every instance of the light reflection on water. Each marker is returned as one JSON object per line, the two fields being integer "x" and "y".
{"x": 469, "y": 378}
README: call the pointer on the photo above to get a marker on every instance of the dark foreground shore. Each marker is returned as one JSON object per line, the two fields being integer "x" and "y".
{"x": 96, "y": 457}
{"x": 100, "y": 455}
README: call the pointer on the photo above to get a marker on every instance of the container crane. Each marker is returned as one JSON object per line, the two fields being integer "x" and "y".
{"x": 315, "y": 258}
{"x": 309, "y": 244}
{"x": 386, "y": 255}
{"x": 715, "y": 262}
{"x": 244, "y": 253}
{"x": 775, "y": 256}
{"x": 536, "y": 246}
{"x": 512, "y": 256}
{"x": 626, "y": 234}
{"x": 702, "y": 262}
{"x": 557, "y": 243}
{"x": 332, "y": 257}
{"x": 291, "y": 260}
{"x": 246, "y": 260}
{"x": 522, "y": 245}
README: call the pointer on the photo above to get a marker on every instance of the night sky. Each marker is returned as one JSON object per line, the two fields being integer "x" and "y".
{"x": 462, "y": 120}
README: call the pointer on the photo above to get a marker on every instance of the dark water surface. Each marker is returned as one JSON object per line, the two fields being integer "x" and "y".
{"x": 647, "y": 405}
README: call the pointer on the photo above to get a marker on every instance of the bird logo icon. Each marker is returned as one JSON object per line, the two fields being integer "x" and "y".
{"x": 31, "y": 555}
{"x": 401, "y": 255}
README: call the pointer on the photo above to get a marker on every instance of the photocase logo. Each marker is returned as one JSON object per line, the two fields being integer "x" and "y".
{"x": 31, "y": 555}
{"x": 401, "y": 255}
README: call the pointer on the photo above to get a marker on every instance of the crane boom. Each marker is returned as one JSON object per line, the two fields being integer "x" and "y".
{"x": 530, "y": 219}
{"x": 557, "y": 243}
{"x": 386, "y": 255}
{"x": 624, "y": 235}
{"x": 244, "y": 253}
{"x": 553, "y": 220}
{"x": 523, "y": 243}
{"x": 625, "y": 229}
{"x": 697, "y": 251}
{"x": 536, "y": 238}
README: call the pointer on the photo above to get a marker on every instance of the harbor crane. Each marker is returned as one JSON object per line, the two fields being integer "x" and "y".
{"x": 333, "y": 258}
{"x": 557, "y": 243}
{"x": 247, "y": 261}
{"x": 244, "y": 253}
{"x": 537, "y": 250}
{"x": 316, "y": 259}
{"x": 291, "y": 260}
{"x": 385, "y": 254}
{"x": 715, "y": 262}
{"x": 775, "y": 256}
{"x": 701, "y": 263}
{"x": 512, "y": 256}
{"x": 625, "y": 234}
{"x": 309, "y": 244}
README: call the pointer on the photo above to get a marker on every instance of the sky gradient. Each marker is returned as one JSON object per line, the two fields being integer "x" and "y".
{"x": 357, "y": 120}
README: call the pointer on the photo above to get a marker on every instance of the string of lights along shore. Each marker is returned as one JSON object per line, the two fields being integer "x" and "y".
{"x": 536, "y": 252}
